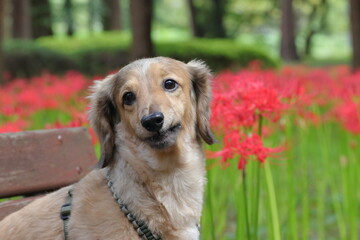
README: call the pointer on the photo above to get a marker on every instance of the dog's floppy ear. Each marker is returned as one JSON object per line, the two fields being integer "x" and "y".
{"x": 201, "y": 81}
{"x": 103, "y": 117}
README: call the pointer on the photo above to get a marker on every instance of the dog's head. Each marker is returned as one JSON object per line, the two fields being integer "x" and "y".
{"x": 154, "y": 100}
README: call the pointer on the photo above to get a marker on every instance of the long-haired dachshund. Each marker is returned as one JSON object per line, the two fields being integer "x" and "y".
{"x": 151, "y": 118}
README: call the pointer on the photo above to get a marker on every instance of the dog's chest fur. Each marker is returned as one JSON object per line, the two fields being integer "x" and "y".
{"x": 169, "y": 200}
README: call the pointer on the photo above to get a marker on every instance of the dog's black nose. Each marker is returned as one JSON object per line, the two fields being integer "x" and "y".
{"x": 153, "y": 122}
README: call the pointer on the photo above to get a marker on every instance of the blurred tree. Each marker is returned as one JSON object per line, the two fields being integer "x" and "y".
{"x": 2, "y": 16}
{"x": 288, "y": 50}
{"x": 141, "y": 18}
{"x": 207, "y": 20}
{"x": 69, "y": 19}
{"x": 316, "y": 23}
{"x": 112, "y": 15}
{"x": 258, "y": 17}
{"x": 96, "y": 10}
{"x": 196, "y": 28}
{"x": 21, "y": 19}
{"x": 355, "y": 32}
{"x": 218, "y": 18}
{"x": 41, "y": 18}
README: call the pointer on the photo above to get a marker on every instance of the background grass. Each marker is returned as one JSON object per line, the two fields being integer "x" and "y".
{"x": 316, "y": 185}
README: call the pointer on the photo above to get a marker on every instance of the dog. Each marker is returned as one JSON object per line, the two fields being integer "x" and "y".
{"x": 151, "y": 118}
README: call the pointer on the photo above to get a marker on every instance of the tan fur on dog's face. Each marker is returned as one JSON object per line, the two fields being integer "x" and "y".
{"x": 185, "y": 107}
{"x": 146, "y": 81}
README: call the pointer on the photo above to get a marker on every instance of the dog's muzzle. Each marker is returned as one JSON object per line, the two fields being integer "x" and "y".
{"x": 164, "y": 138}
{"x": 153, "y": 122}
{"x": 160, "y": 138}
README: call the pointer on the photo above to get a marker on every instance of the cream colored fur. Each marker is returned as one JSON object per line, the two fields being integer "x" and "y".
{"x": 164, "y": 187}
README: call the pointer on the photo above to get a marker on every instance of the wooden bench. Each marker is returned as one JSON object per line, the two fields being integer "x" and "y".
{"x": 36, "y": 162}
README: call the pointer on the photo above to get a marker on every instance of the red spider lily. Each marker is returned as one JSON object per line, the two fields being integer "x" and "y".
{"x": 239, "y": 99}
{"x": 349, "y": 115}
{"x": 244, "y": 147}
{"x": 313, "y": 95}
{"x": 16, "y": 126}
{"x": 22, "y": 98}
{"x": 238, "y": 102}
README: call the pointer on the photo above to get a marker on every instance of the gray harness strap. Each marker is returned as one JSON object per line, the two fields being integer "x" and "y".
{"x": 65, "y": 213}
{"x": 140, "y": 227}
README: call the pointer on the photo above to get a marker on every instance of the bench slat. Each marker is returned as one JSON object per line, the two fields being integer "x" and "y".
{"x": 36, "y": 161}
{"x": 11, "y": 206}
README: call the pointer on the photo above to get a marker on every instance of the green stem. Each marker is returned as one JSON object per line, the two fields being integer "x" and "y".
{"x": 292, "y": 186}
{"x": 272, "y": 202}
{"x": 255, "y": 207}
{"x": 246, "y": 204}
{"x": 257, "y": 187}
{"x": 210, "y": 208}
{"x": 304, "y": 164}
{"x": 260, "y": 124}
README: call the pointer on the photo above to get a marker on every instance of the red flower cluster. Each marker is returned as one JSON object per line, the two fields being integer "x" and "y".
{"x": 21, "y": 99}
{"x": 236, "y": 145}
{"x": 349, "y": 115}
{"x": 312, "y": 95}
{"x": 25, "y": 96}
{"x": 347, "y": 109}
{"x": 240, "y": 100}
{"x": 16, "y": 126}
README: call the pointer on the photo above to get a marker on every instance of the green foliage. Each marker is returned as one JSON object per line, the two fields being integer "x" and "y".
{"x": 101, "y": 53}
{"x": 26, "y": 58}
{"x": 217, "y": 53}
{"x": 315, "y": 187}
{"x": 77, "y": 45}
{"x": 49, "y": 116}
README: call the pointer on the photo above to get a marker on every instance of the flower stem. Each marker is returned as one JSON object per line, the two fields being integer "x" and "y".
{"x": 210, "y": 206}
{"x": 272, "y": 202}
{"x": 244, "y": 182}
{"x": 260, "y": 124}
{"x": 257, "y": 200}
{"x": 255, "y": 211}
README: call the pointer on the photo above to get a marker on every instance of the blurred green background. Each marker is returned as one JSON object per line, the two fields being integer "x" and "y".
{"x": 98, "y": 36}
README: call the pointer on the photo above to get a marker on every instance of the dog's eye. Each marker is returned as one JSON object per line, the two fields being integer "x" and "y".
{"x": 129, "y": 98}
{"x": 170, "y": 84}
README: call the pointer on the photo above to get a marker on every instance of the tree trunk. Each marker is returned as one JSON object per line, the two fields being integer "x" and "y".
{"x": 308, "y": 42}
{"x": 21, "y": 25}
{"x": 288, "y": 50}
{"x": 2, "y": 16}
{"x": 141, "y": 15}
{"x": 355, "y": 32}
{"x": 218, "y": 18}
{"x": 41, "y": 18}
{"x": 195, "y": 26}
{"x": 316, "y": 23}
{"x": 93, "y": 8}
{"x": 208, "y": 22}
{"x": 112, "y": 15}
{"x": 69, "y": 19}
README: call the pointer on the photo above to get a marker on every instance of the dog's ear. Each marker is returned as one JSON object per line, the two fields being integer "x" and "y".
{"x": 201, "y": 80}
{"x": 103, "y": 116}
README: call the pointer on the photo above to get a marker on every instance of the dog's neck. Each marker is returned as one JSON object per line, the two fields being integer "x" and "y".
{"x": 162, "y": 187}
